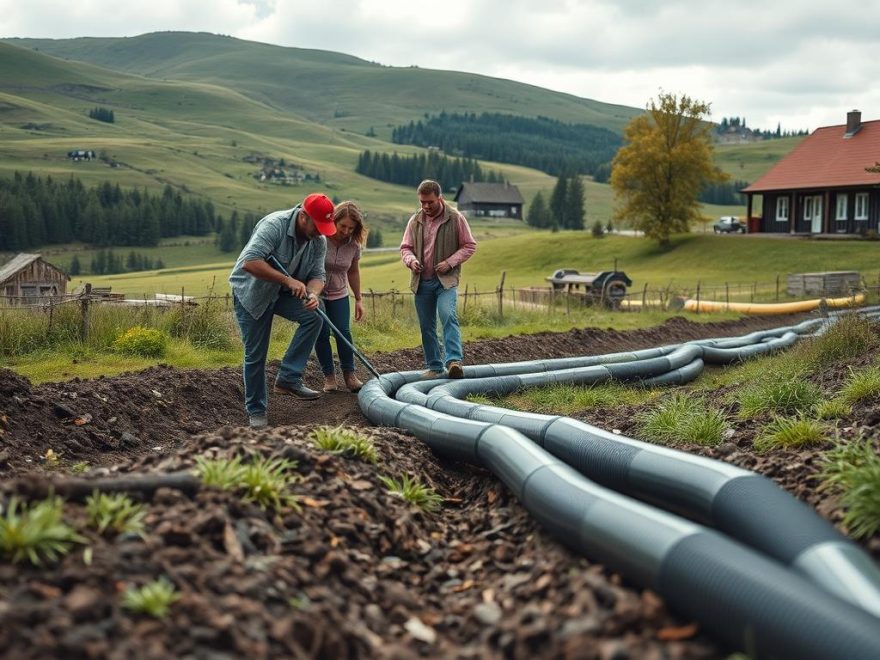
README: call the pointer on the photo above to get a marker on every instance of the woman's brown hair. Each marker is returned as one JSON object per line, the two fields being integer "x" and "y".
{"x": 351, "y": 210}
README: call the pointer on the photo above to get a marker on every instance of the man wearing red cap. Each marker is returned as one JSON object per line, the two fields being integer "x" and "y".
{"x": 296, "y": 237}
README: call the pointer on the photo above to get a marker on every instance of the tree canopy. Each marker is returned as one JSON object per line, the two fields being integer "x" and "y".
{"x": 657, "y": 176}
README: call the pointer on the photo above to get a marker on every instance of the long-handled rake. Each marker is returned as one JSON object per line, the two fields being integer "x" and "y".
{"x": 320, "y": 312}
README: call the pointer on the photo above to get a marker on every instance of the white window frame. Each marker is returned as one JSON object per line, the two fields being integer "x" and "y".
{"x": 842, "y": 203}
{"x": 808, "y": 208}
{"x": 861, "y": 212}
{"x": 782, "y": 209}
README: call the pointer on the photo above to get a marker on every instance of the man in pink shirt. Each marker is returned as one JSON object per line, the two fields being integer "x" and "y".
{"x": 437, "y": 241}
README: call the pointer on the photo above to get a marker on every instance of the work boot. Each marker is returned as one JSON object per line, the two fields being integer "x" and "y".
{"x": 454, "y": 369}
{"x": 258, "y": 421}
{"x": 330, "y": 383}
{"x": 299, "y": 390}
{"x": 430, "y": 374}
{"x": 352, "y": 382}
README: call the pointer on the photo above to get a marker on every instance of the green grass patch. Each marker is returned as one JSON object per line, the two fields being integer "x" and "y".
{"x": 564, "y": 399}
{"x": 682, "y": 417}
{"x": 790, "y": 433}
{"x": 853, "y": 470}
{"x": 264, "y": 481}
{"x": 340, "y": 440}
{"x": 777, "y": 393}
{"x": 850, "y": 337}
{"x": 861, "y": 385}
{"x": 413, "y": 491}
{"x": 832, "y": 409}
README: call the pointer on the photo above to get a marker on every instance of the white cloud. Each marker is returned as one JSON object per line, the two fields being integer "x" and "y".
{"x": 799, "y": 63}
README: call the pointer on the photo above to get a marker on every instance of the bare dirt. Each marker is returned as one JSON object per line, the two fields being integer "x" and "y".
{"x": 357, "y": 572}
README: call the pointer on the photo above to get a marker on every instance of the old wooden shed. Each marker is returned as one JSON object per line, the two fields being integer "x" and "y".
{"x": 28, "y": 277}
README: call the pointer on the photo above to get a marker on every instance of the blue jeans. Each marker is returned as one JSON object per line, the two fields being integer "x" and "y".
{"x": 255, "y": 334}
{"x": 339, "y": 313}
{"x": 432, "y": 300}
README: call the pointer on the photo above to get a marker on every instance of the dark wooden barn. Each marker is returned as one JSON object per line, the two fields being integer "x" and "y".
{"x": 28, "y": 278}
{"x": 496, "y": 200}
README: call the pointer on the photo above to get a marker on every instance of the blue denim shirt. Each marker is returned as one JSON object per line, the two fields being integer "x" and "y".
{"x": 276, "y": 234}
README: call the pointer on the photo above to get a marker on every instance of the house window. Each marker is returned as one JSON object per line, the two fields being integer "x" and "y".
{"x": 842, "y": 203}
{"x": 808, "y": 208}
{"x": 861, "y": 206}
{"x": 782, "y": 209}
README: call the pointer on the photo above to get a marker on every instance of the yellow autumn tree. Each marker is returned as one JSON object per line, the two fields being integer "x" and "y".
{"x": 665, "y": 164}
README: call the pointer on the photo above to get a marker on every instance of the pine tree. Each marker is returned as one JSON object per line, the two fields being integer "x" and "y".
{"x": 558, "y": 201}
{"x": 75, "y": 266}
{"x": 538, "y": 215}
{"x": 574, "y": 204}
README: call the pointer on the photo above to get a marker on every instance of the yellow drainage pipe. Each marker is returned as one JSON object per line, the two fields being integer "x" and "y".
{"x": 692, "y": 305}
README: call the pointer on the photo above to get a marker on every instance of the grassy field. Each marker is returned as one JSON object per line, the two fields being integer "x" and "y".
{"x": 529, "y": 257}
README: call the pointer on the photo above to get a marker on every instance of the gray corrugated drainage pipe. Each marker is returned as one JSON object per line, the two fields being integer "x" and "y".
{"x": 746, "y": 599}
{"x": 461, "y": 440}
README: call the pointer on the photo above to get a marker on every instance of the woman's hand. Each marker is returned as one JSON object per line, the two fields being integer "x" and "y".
{"x": 358, "y": 310}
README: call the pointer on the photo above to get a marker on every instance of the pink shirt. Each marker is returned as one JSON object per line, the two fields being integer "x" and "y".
{"x": 338, "y": 262}
{"x": 466, "y": 244}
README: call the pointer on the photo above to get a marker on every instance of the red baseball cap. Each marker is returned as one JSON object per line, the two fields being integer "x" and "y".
{"x": 320, "y": 210}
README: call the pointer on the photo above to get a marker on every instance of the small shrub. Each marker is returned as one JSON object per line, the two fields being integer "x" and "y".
{"x": 790, "y": 433}
{"x": 597, "y": 230}
{"x": 115, "y": 512}
{"x": 424, "y": 497}
{"x": 36, "y": 533}
{"x": 143, "y": 342}
{"x": 340, "y": 440}
{"x": 154, "y": 599}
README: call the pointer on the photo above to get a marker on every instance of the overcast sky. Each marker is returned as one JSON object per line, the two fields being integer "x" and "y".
{"x": 801, "y": 63}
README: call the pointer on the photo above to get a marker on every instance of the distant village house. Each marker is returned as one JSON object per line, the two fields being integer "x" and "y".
{"x": 824, "y": 185}
{"x": 81, "y": 154}
{"x": 27, "y": 278}
{"x": 495, "y": 200}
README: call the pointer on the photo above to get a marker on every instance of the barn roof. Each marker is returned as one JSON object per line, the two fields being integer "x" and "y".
{"x": 20, "y": 262}
{"x": 490, "y": 193}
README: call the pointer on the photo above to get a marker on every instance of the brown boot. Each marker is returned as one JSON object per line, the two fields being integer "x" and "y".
{"x": 330, "y": 383}
{"x": 352, "y": 382}
{"x": 454, "y": 369}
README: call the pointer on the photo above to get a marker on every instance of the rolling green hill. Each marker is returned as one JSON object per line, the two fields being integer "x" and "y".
{"x": 195, "y": 110}
{"x": 331, "y": 88}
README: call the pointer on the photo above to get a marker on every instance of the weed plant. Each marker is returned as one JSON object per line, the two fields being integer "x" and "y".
{"x": 790, "y": 433}
{"x": 853, "y": 470}
{"x": 222, "y": 473}
{"x": 116, "y": 513}
{"x": 35, "y": 533}
{"x": 340, "y": 440}
{"x": 206, "y": 325}
{"x": 154, "y": 599}
{"x": 264, "y": 481}
{"x": 682, "y": 417}
{"x": 414, "y": 492}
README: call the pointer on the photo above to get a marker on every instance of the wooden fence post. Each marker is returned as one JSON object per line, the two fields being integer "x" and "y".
{"x": 644, "y": 297}
{"x": 84, "y": 306}
{"x": 727, "y": 294}
{"x": 501, "y": 295}
{"x": 777, "y": 287}
{"x": 464, "y": 306}
{"x": 698, "y": 297}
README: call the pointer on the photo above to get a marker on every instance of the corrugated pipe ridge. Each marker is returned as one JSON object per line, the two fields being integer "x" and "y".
{"x": 723, "y": 545}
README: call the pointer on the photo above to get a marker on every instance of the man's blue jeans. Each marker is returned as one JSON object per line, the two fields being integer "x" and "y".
{"x": 339, "y": 313}
{"x": 432, "y": 300}
{"x": 255, "y": 334}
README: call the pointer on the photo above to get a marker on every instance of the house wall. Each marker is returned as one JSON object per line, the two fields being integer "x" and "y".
{"x": 479, "y": 209}
{"x": 797, "y": 223}
{"x": 37, "y": 280}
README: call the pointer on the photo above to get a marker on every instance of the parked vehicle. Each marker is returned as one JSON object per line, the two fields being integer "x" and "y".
{"x": 729, "y": 224}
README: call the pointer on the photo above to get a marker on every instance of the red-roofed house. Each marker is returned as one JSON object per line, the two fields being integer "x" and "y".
{"x": 822, "y": 187}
